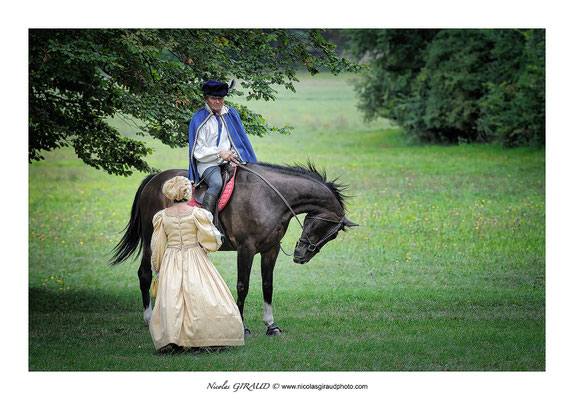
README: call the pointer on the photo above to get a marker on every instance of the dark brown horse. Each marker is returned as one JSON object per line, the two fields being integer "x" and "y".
{"x": 256, "y": 218}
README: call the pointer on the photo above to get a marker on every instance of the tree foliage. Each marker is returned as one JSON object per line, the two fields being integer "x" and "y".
{"x": 78, "y": 79}
{"x": 444, "y": 86}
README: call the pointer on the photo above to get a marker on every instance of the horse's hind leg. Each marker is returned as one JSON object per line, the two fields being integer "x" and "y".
{"x": 145, "y": 276}
{"x": 268, "y": 259}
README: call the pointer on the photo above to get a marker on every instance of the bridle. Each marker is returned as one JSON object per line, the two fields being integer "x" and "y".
{"x": 311, "y": 246}
{"x": 317, "y": 245}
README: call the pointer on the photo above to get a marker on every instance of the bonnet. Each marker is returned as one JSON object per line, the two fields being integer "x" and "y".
{"x": 177, "y": 188}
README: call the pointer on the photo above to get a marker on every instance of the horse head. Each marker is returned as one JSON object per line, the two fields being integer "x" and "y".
{"x": 317, "y": 231}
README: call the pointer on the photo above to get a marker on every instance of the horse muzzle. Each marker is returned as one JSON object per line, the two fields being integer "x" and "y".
{"x": 304, "y": 253}
{"x": 298, "y": 260}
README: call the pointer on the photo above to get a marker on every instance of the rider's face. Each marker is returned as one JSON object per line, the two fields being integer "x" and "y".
{"x": 215, "y": 103}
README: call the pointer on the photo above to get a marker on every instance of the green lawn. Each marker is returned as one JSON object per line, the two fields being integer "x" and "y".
{"x": 445, "y": 272}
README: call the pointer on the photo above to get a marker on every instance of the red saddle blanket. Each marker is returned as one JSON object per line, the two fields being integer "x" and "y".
{"x": 225, "y": 194}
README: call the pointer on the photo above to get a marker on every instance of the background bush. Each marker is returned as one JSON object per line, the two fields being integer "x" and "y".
{"x": 448, "y": 86}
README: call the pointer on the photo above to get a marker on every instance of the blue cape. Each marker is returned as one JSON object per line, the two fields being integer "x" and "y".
{"x": 238, "y": 138}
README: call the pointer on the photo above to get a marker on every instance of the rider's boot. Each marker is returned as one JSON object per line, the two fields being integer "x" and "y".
{"x": 209, "y": 203}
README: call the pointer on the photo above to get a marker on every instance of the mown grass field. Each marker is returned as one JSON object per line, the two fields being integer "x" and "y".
{"x": 445, "y": 272}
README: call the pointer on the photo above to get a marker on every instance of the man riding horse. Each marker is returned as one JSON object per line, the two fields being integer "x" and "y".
{"x": 257, "y": 215}
{"x": 216, "y": 136}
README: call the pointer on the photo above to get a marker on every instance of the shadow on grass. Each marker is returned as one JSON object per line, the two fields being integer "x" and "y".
{"x": 87, "y": 330}
{"x": 41, "y": 300}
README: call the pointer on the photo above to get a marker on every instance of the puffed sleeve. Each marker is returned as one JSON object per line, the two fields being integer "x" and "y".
{"x": 207, "y": 234}
{"x": 158, "y": 241}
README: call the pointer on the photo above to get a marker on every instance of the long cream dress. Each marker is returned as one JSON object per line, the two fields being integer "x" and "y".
{"x": 194, "y": 306}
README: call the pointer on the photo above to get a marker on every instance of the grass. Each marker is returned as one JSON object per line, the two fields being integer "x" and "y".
{"x": 445, "y": 272}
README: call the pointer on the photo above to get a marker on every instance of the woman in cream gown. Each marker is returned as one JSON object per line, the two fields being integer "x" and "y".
{"x": 193, "y": 307}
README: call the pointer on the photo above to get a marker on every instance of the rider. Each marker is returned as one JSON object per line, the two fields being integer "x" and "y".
{"x": 216, "y": 136}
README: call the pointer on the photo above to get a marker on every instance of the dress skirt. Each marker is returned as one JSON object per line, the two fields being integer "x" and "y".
{"x": 193, "y": 307}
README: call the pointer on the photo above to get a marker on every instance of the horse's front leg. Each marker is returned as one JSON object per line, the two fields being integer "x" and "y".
{"x": 268, "y": 259}
{"x": 244, "y": 262}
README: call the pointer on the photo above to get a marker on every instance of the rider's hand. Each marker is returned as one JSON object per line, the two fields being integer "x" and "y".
{"x": 226, "y": 155}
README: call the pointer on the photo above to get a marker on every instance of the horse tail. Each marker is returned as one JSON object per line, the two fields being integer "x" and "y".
{"x": 133, "y": 238}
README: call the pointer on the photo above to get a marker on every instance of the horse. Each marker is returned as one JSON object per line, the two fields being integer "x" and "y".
{"x": 255, "y": 220}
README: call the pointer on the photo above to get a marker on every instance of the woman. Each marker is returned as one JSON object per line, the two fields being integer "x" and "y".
{"x": 193, "y": 307}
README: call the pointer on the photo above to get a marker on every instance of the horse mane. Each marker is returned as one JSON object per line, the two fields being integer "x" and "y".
{"x": 309, "y": 171}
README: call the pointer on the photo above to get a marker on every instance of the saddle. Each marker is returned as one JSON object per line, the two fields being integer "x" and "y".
{"x": 228, "y": 177}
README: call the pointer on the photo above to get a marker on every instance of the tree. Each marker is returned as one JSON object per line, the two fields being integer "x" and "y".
{"x": 513, "y": 109}
{"x": 454, "y": 79}
{"x": 446, "y": 86}
{"x": 395, "y": 59}
{"x": 78, "y": 79}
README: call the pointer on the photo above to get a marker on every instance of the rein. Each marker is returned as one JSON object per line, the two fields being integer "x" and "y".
{"x": 274, "y": 189}
{"x": 311, "y": 246}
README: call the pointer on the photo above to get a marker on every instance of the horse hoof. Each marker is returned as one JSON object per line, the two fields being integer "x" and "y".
{"x": 273, "y": 330}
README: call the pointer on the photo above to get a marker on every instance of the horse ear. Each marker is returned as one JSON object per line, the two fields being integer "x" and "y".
{"x": 348, "y": 223}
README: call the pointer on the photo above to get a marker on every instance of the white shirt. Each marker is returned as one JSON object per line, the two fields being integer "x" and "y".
{"x": 206, "y": 149}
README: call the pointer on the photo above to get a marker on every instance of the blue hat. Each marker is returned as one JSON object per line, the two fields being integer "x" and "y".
{"x": 215, "y": 88}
